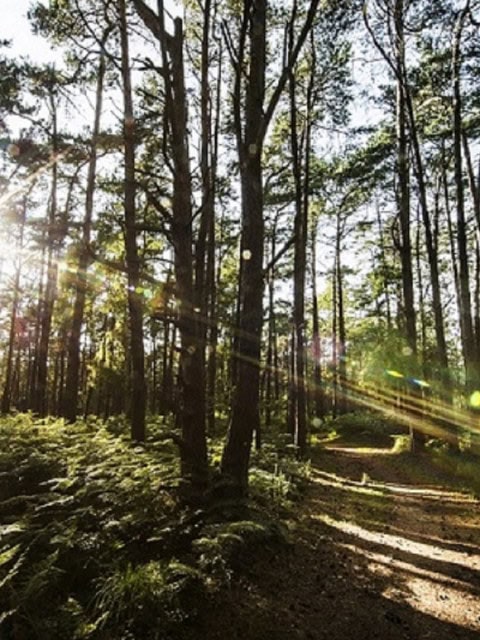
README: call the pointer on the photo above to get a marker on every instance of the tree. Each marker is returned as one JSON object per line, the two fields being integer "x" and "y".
{"x": 135, "y": 298}
{"x": 393, "y": 15}
{"x": 466, "y": 325}
{"x": 13, "y": 336}
{"x": 250, "y": 132}
{"x": 189, "y": 277}
{"x": 70, "y": 398}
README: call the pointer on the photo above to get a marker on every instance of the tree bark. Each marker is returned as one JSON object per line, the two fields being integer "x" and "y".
{"x": 70, "y": 397}
{"x": 298, "y": 390}
{"x": 404, "y": 183}
{"x": 50, "y": 292}
{"x": 342, "y": 335}
{"x": 318, "y": 395}
{"x": 135, "y": 300}
{"x": 468, "y": 340}
{"x": 13, "y": 338}
{"x": 250, "y": 138}
{"x": 245, "y": 406}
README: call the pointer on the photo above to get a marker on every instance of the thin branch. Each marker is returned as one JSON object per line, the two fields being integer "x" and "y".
{"x": 376, "y": 42}
{"x": 307, "y": 25}
{"x": 281, "y": 253}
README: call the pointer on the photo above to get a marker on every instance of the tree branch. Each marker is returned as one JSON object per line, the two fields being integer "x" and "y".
{"x": 288, "y": 69}
{"x": 281, "y": 253}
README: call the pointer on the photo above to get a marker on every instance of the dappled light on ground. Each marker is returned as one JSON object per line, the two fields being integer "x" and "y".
{"x": 384, "y": 547}
{"x": 366, "y": 450}
{"x": 432, "y": 592}
{"x": 368, "y": 485}
{"x": 396, "y": 542}
{"x": 417, "y": 533}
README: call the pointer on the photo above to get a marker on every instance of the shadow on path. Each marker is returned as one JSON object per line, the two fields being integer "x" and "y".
{"x": 379, "y": 552}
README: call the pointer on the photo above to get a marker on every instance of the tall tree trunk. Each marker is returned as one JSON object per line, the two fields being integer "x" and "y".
{"x": 34, "y": 343}
{"x": 472, "y": 181}
{"x": 250, "y": 138}
{"x": 319, "y": 400}
{"x": 205, "y": 280}
{"x": 135, "y": 300}
{"x": 70, "y": 397}
{"x": 170, "y": 389}
{"x": 476, "y": 324}
{"x": 342, "y": 337}
{"x": 474, "y": 184}
{"x": 334, "y": 338}
{"x": 271, "y": 338}
{"x": 430, "y": 239}
{"x": 451, "y": 235}
{"x": 384, "y": 267}
{"x": 163, "y": 405}
{"x": 13, "y": 337}
{"x": 213, "y": 270}
{"x": 298, "y": 390}
{"x": 50, "y": 293}
{"x": 394, "y": 15}
{"x": 403, "y": 200}
{"x": 421, "y": 300}
{"x": 468, "y": 341}
{"x": 191, "y": 407}
{"x": 245, "y": 409}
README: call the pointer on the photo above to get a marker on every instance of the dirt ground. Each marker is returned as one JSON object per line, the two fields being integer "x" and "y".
{"x": 382, "y": 547}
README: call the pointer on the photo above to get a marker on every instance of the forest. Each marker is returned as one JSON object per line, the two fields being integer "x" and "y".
{"x": 240, "y": 319}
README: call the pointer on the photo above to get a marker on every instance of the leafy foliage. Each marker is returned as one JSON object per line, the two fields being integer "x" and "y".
{"x": 74, "y": 500}
{"x": 94, "y": 542}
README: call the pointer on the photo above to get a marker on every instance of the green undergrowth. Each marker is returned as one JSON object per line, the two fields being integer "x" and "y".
{"x": 439, "y": 462}
{"x": 361, "y": 428}
{"x": 277, "y": 476}
{"x": 96, "y": 543}
{"x": 460, "y": 467}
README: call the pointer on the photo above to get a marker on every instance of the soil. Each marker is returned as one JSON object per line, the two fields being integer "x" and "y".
{"x": 382, "y": 547}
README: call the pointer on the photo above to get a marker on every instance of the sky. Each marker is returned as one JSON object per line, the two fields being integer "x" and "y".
{"x": 14, "y": 26}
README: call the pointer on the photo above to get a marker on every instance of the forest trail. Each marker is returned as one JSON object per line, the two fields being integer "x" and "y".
{"x": 382, "y": 547}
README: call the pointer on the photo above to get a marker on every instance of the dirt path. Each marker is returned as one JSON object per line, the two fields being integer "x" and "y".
{"x": 382, "y": 549}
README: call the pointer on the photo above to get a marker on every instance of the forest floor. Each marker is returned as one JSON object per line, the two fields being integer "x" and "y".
{"x": 383, "y": 546}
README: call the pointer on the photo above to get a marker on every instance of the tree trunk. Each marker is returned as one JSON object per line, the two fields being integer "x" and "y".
{"x": 135, "y": 300}
{"x": 13, "y": 338}
{"x": 191, "y": 406}
{"x": 50, "y": 293}
{"x": 421, "y": 301}
{"x": 298, "y": 389}
{"x": 430, "y": 241}
{"x": 475, "y": 193}
{"x": 250, "y": 138}
{"x": 403, "y": 194}
{"x": 477, "y": 299}
{"x": 342, "y": 335}
{"x": 334, "y": 339}
{"x": 384, "y": 267}
{"x": 34, "y": 343}
{"x": 270, "y": 364}
{"x": 468, "y": 341}
{"x": 70, "y": 397}
{"x": 245, "y": 409}
{"x": 318, "y": 395}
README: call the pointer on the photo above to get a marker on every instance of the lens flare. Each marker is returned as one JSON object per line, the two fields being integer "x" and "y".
{"x": 421, "y": 383}
{"x": 474, "y": 400}
{"x": 394, "y": 374}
